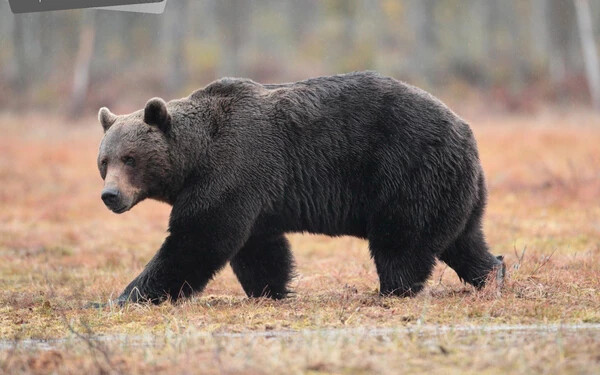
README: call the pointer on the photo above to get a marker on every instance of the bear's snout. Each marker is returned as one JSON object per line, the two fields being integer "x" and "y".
{"x": 112, "y": 199}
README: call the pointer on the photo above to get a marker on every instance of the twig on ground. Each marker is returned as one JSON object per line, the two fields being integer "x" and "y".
{"x": 442, "y": 275}
{"x": 545, "y": 261}
{"x": 519, "y": 257}
{"x": 94, "y": 346}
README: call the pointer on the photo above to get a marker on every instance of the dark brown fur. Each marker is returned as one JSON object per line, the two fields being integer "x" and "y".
{"x": 243, "y": 163}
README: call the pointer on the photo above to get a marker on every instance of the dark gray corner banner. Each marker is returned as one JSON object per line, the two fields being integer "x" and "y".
{"x": 26, "y": 6}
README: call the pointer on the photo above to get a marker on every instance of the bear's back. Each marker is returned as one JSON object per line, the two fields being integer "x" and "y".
{"x": 351, "y": 143}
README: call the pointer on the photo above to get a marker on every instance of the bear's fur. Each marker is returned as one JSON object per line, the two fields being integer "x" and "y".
{"x": 244, "y": 163}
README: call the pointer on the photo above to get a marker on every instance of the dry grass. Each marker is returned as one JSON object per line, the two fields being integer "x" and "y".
{"x": 60, "y": 248}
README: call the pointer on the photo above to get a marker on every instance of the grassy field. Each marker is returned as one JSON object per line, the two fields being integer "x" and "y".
{"x": 61, "y": 248}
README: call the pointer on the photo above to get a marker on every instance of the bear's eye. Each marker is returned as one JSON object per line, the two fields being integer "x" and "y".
{"x": 129, "y": 161}
{"x": 103, "y": 163}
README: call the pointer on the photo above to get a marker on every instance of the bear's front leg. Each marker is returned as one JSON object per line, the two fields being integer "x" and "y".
{"x": 198, "y": 246}
{"x": 181, "y": 267}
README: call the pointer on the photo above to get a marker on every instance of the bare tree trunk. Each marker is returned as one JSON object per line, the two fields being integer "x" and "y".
{"x": 21, "y": 81}
{"x": 81, "y": 76}
{"x": 559, "y": 24}
{"x": 421, "y": 18}
{"x": 539, "y": 28}
{"x": 519, "y": 61}
{"x": 348, "y": 10}
{"x": 588, "y": 46}
{"x": 176, "y": 33}
{"x": 302, "y": 14}
{"x": 46, "y": 38}
{"x": 232, "y": 20}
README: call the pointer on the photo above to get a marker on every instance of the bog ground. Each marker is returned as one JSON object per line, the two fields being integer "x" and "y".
{"x": 60, "y": 248}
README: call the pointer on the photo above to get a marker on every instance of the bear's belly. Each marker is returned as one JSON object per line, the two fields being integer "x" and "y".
{"x": 331, "y": 221}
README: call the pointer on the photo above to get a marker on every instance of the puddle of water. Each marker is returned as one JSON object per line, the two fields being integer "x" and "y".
{"x": 331, "y": 333}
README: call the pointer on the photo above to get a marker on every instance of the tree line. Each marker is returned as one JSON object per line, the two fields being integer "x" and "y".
{"x": 516, "y": 49}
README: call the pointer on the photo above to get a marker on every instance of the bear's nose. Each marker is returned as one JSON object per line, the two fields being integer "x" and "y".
{"x": 109, "y": 196}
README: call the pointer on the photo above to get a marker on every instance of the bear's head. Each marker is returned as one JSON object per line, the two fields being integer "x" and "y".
{"x": 134, "y": 159}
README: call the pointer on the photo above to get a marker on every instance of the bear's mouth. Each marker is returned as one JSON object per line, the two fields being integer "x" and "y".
{"x": 120, "y": 210}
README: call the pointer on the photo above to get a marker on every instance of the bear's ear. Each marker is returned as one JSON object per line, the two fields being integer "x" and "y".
{"x": 106, "y": 118}
{"x": 156, "y": 114}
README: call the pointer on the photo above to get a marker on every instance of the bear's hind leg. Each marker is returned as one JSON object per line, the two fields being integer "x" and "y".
{"x": 403, "y": 263}
{"x": 469, "y": 255}
{"x": 470, "y": 258}
{"x": 264, "y": 266}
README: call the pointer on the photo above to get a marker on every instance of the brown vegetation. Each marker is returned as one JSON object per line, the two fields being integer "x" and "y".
{"x": 61, "y": 248}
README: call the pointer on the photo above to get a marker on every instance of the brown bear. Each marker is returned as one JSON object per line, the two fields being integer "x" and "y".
{"x": 243, "y": 163}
